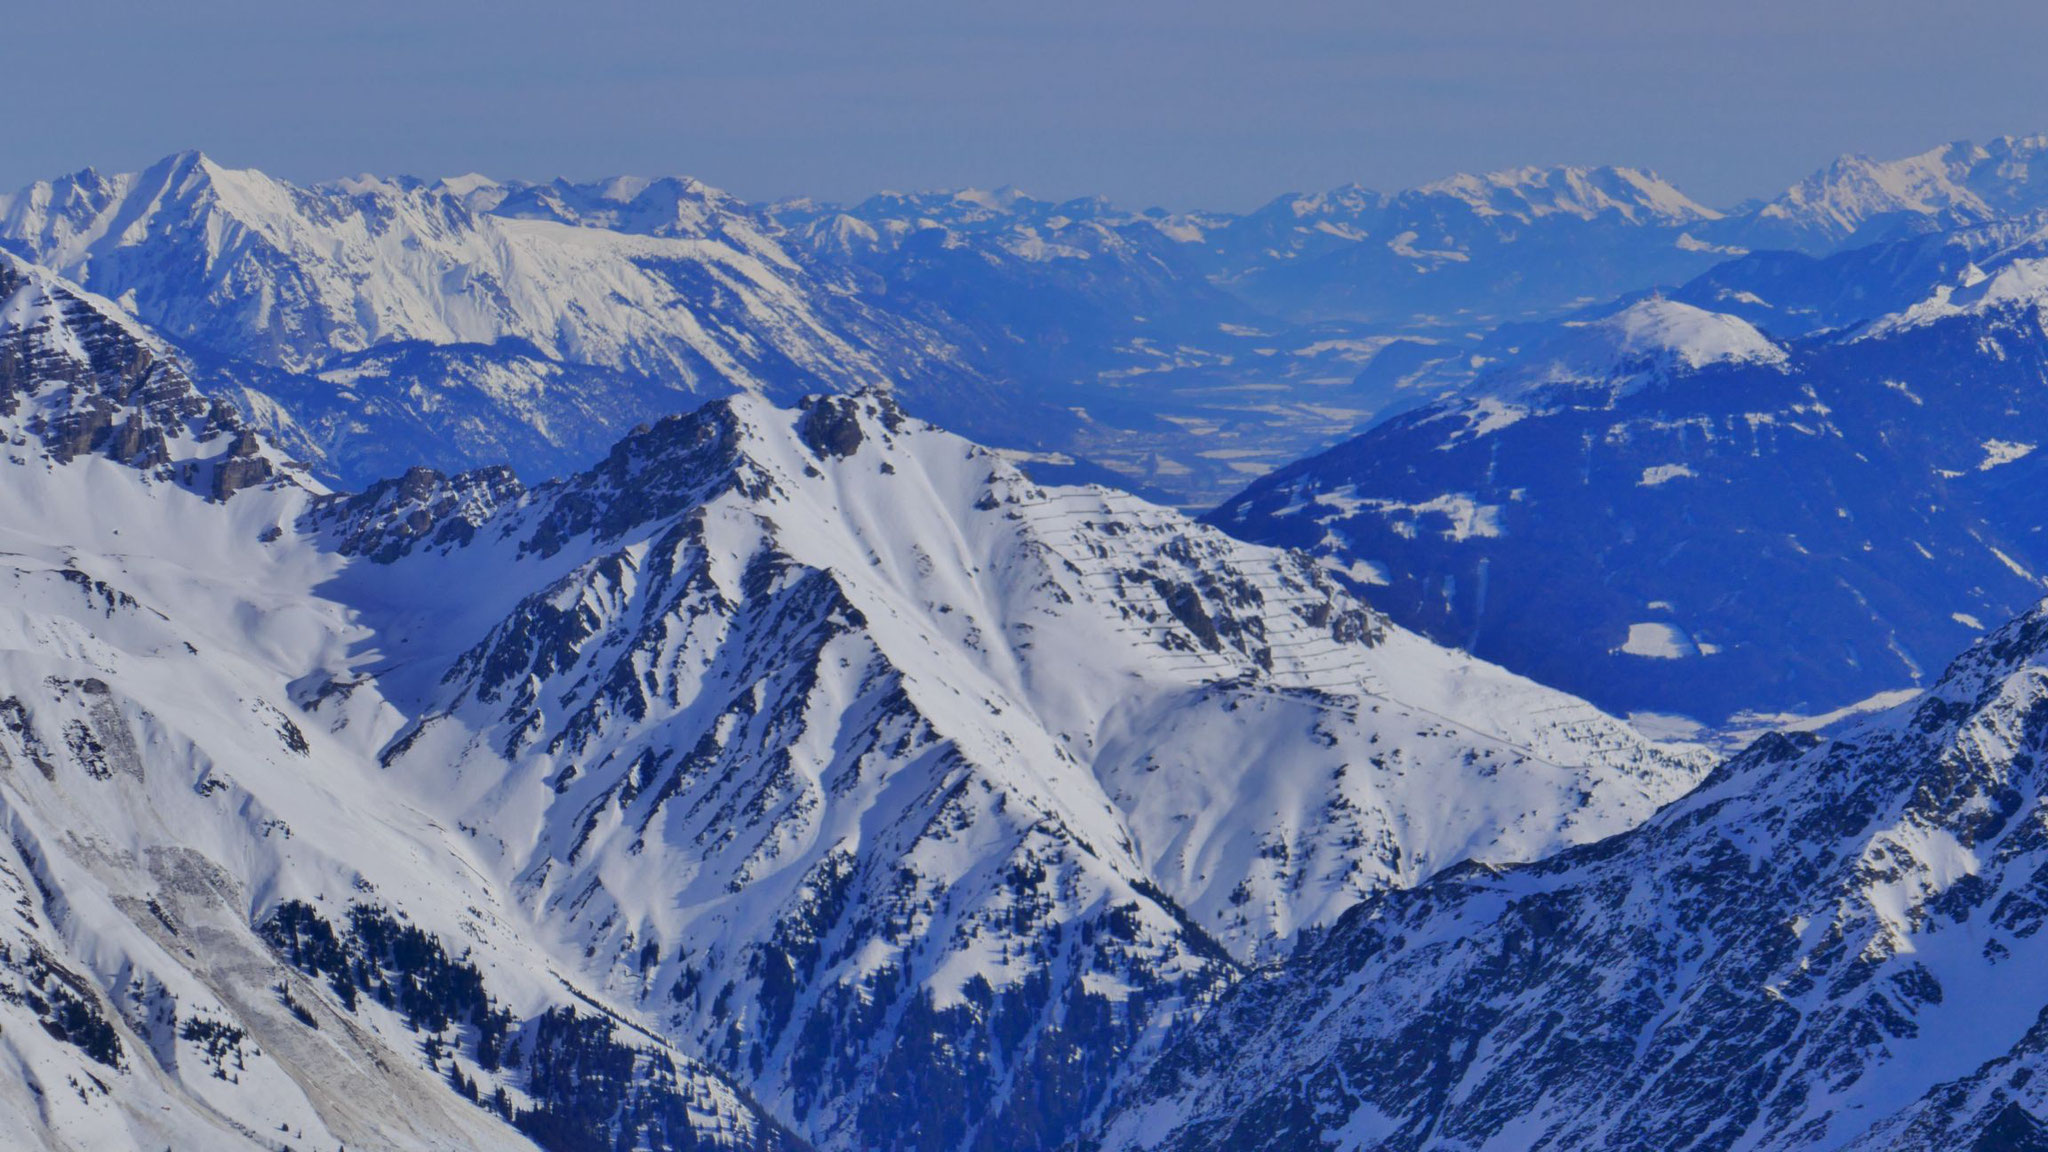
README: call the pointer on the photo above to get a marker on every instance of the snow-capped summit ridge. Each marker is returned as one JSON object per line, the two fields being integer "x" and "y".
{"x": 949, "y": 539}
{"x": 1684, "y": 334}
{"x": 959, "y": 681}
{"x": 248, "y": 266}
{"x": 1956, "y": 184}
{"x": 1647, "y": 341}
{"x": 1534, "y": 192}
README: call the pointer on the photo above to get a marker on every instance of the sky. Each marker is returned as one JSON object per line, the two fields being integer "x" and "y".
{"x": 1179, "y": 103}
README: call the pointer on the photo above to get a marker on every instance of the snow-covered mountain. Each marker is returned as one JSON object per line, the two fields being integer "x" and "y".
{"x": 374, "y": 323}
{"x": 1828, "y": 945}
{"x": 2003, "y": 274}
{"x": 1666, "y": 510}
{"x": 677, "y": 206}
{"x": 1532, "y": 193}
{"x": 1472, "y": 249}
{"x": 801, "y": 771}
{"x": 1791, "y": 294}
{"x": 827, "y": 735}
{"x": 1636, "y": 347}
{"x": 249, "y": 267}
{"x": 1534, "y": 242}
{"x": 800, "y": 774}
{"x": 223, "y": 927}
{"x": 1857, "y": 200}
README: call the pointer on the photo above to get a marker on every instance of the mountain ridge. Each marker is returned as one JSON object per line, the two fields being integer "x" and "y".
{"x": 717, "y": 793}
{"x": 1821, "y": 915}
{"x": 797, "y": 510}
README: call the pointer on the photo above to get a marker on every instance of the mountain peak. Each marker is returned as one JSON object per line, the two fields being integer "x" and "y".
{"x": 1020, "y": 615}
{"x": 192, "y": 170}
{"x": 836, "y": 425}
{"x": 1534, "y": 192}
{"x": 1642, "y": 343}
{"x": 1855, "y": 196}
{"x": 1003, "y": 199}
{"x": 184, "y": 160}
{"x": 1689, "y": 335}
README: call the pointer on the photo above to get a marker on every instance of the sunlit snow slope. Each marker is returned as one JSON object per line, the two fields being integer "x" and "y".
{"x": 223, "y": 929}
{"x": 809, "y": 756}
{"x": 823, "y": 733}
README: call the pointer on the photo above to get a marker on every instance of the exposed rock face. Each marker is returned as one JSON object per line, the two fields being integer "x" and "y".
{"x": 171, "y": 807}
{"x": 831, "y": 426}
{"x": 83, "y": 381}
{"x": 421, "y": 508}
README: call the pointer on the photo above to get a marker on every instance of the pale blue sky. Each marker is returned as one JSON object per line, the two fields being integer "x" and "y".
{"x": 1195, "y": 103}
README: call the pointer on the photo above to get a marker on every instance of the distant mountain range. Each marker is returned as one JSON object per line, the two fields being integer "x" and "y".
{"x": 372, "y": 324}
{"x": 1794, "y": 483}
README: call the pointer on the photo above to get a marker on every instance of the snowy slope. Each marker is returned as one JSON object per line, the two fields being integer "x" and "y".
{"x": 1828, "y": 945}
{"x": 169, "y": 808}
{"x": 1641, "y": 344}
{"x": 1991, "y": 274}
{"x": 812, "y": 756}
{"x": 822, "y": 732}
{"x": 163, "y": 805}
